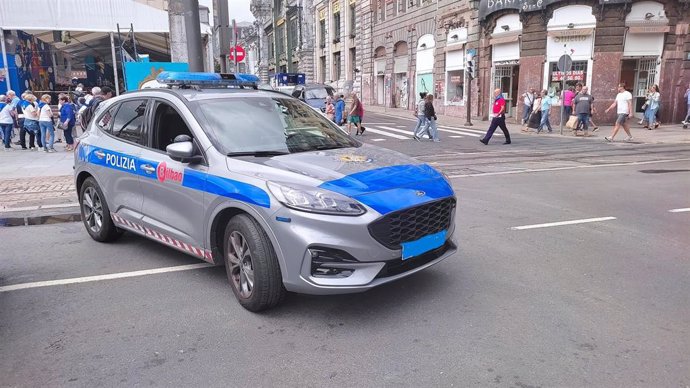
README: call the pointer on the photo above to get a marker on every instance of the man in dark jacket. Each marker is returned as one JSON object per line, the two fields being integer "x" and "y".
{"x": 430, "y": 115}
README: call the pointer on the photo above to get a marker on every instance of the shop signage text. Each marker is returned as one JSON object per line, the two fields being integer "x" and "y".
{"x": 573, "y": 75}
{"x": 487, "y": 7}
{"x": 648, "y": 29}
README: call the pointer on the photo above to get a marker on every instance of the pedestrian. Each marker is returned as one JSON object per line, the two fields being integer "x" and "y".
{"x": 498, "y": 120}
{"x": 67, "y": 121}
{"x": 535, "y": 116}
{"x": 99, "y": 95}
{"x": 14, "y": 102}
{"x": 651, "y": 106}
{"x": 339, "y": 109}
{"x": 623, "y": 103}
{"x": 421, "y": 119}
{"x": 568, "y": 96}
{"x": 6, "y": 121}
{"x": 45, "y": 122}
{"x": 528, "y": 104}
{"x": 430, "y": 119}
{"x": 330, "y": 108}
{"x": 30, "y": 111}
{"x": 58, "y": 130}
{"x": 546, "y": 102}
{"x": 687, "y": 99}
{"x": 355, "y": 114}
{"x": 583, "y": 108}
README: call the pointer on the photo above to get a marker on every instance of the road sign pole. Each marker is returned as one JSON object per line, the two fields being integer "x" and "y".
{"x": 565, "y": 63}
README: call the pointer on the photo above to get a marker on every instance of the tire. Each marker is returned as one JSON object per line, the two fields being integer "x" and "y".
{"x": 94, "y": 207}
{"x": 251, "y": 265}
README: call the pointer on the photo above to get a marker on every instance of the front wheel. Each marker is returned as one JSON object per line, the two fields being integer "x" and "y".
{"x": 95, "y": 212}
{"x": 251, "y": 265}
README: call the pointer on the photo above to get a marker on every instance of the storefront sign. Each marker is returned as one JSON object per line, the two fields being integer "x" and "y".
{"x": 505, "y": 39}
{"x": 487, "y": 7}
{"x": 507, "y": 63}
{"x": 573, "y": 75}
{"x": 648, "y": 29}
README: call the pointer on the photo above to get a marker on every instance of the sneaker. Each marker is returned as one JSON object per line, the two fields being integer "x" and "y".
{"x": 416, "y": 138}
{"x": 684, "y": 122}
{"x": 32, "y": 148}
{"x": 436, "y": 140}
{"x": 483, "y": 141}
{"x": 595, "y": 129}
{"x": 45, "y": 150}
{"x": 607, "y": 138}
{"x": 8, "y": 149}
{"x": 630, "y": 138}
{"x": 24, "y": 148}
{"x": 641, "y": 122}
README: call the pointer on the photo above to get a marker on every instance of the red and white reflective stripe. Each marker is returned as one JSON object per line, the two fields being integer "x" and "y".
{"x": 203, "y": 254}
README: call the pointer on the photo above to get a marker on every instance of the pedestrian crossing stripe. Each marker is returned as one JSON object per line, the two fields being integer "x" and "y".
{"x": 384, "y": 133}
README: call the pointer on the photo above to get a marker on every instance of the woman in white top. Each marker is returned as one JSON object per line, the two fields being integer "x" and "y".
{"x": 30, "y": 110}
{"x": 652, "y": 107}
{"x": 6, "y": 121}
{"x": 45, "y": 121}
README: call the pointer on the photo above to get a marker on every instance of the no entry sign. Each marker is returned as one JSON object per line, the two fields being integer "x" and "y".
{"x": 240, "y": 53}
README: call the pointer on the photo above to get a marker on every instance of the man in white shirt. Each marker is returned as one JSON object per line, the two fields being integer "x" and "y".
{"x": 527, "y": 102}
{"x": 421, "y": 119}
{"x": 624, "y": 104}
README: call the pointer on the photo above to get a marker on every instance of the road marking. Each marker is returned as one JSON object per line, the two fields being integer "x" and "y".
{"x": 687, "y": 209}
{"x": 368, "y": 123}
{"x": 406, "y": 132}
{"x": 378, "y": 139}
{"x": 561, "y": 223}
{"x": 384, "y": 133}
{"x": 566, "y": 168}
{"x": 457, "y": 132}
{"x": 455, "y": 136}
{"x": 98, "y": 278}
{"x": 477, "y": 131}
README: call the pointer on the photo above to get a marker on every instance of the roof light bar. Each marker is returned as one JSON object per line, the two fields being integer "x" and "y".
{"x": 172, "y": 78}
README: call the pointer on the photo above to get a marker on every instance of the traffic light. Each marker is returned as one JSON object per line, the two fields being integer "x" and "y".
{"x": 470, "y": 68}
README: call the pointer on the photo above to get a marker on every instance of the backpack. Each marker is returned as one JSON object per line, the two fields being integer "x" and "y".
{"x": 88, "y": 114}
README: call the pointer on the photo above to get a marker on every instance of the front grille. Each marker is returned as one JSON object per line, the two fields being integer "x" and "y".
{"x": 413, "y": 223}
{"x": 396, "y": 267}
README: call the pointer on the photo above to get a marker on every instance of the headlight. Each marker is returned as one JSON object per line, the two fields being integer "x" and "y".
{"x": 315, "y": 200}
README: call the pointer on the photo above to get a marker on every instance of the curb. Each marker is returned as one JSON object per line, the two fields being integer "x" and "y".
{"x": 34, "y": 215}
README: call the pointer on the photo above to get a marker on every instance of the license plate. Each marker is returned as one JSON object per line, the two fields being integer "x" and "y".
{"x": 423, "y": 245}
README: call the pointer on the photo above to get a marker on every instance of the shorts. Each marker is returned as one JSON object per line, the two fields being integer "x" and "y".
{"x": 354, "y": 119}
{"x": 622, "y": 118}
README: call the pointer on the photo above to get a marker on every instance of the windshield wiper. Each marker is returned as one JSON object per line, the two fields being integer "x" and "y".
{"x": 257, "y": 153}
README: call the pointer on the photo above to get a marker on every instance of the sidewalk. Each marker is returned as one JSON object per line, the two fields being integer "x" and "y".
{"x": 36, "y": 183}
{"x": 665, "y": 134}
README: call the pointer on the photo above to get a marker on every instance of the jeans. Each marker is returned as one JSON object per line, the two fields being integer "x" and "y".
{"x": 497, "y": 122}
{"x": 22, "y": 137}
{"x": 544, "y": 121}
{"x": 430, "y": 128}
{"x": 68, "y": 134}
{"x": 650, "y": 115}
{"x": 584, "y": 120}
{"x": 687, "y": 116}
{"x": 567, "y": 111}
{"x": 421, "y": 124}
{"x": 47, "y": 129}
{"x": 526, "y": 112}
{"x": 7, "y": 134}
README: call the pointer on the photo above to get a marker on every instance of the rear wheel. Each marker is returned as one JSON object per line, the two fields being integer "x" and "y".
{"x": 251, "y": 265}
{"x": 95, "y": 212}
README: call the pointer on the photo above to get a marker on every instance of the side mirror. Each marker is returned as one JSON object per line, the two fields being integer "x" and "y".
{"x": 183, "y": 152}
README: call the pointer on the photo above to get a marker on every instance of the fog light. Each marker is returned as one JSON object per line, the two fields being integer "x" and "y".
{"x": 332, "y": 263}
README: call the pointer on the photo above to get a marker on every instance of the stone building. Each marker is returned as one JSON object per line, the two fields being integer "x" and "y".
{"x": 419, "y": 45}
{"x": 286, "y": 36}
{"x": 640, "y": 43}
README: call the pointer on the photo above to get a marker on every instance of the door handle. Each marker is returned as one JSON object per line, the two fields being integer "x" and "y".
{"x": 149, "y": 169}
{"x": 100, "y": 154}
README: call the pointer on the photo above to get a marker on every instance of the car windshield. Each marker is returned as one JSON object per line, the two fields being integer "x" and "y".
{"x": 275, "y": 125}
{"x": 316, "y": 93}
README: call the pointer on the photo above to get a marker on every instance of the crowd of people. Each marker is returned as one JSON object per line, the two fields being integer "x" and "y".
{"x": 34, "y": 116}
{"x": 337, "y": 112}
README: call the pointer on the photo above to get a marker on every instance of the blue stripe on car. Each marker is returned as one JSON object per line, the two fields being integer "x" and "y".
{"x": 192, "y": 179}
{"x": 389, "y": 189}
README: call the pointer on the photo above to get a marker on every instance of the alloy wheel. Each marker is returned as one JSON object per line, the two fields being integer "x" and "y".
{"x": 241, "y": 266}
{"x": 93, "y": 209}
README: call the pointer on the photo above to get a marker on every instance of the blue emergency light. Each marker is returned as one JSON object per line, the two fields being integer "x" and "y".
{"x": 185, "y": 79}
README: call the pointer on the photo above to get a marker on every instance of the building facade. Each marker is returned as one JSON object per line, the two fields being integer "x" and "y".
{"x": 402, "y": 47}
{"x": 286, "y": 34}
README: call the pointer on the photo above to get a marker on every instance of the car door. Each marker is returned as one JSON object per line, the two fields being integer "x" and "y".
{"x": 114, "y": 157}
{"x": 173, "y": 191}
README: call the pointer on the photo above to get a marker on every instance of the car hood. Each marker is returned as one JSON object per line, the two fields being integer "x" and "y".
{"x": 381, "y": 179}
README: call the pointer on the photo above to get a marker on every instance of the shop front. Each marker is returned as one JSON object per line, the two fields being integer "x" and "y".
{"x": 569, "y": 32}
{"x": 455, "y": 67}
{"x": 505, "y": 58}
{"x": 380, "y": 73}
{"x": 425, "y": 64}
{"x": 400, "y": 66}
{"x": 646, "y": 26}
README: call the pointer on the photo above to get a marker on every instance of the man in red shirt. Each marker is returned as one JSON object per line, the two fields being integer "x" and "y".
{"x": 499, "y": 119}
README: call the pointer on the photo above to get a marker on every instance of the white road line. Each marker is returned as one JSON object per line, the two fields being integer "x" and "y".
{"x": 455, "y": 136}
{"x": 97, "y": 278}
{"x": 566, "y": 168}
{"x": 384, "y": 133}
{"x": 561, "y": 223}
{"x": 367, "y": 123}
{"x": 459, "y": 132}
{"x": 378, "y": 139}
{"x": 477, "y": 131}
{"x": 406, "y": 132}
{"x": 687, "y": 209}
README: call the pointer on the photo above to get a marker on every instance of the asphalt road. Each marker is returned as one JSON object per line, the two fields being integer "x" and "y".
{"x": 592, "y": 304}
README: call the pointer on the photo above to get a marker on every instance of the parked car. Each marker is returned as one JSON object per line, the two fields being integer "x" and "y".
{"x": 262, "y": 183}
{"x": 314, "y": 94}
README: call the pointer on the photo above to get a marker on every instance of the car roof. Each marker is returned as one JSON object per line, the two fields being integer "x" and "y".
{"x": 196, "y": 94}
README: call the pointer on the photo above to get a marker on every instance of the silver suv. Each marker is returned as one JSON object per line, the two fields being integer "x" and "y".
{"x": 262, "y": 183}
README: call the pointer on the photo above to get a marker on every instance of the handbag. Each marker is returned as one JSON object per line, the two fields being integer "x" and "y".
{"x": 572, "y": 122}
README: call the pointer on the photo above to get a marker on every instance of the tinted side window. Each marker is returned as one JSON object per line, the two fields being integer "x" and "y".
{"x": 105, "y": 120}
{"x": 129, "y": 121}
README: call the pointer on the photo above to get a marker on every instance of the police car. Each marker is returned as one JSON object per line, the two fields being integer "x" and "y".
{"x": 258, "y": 181}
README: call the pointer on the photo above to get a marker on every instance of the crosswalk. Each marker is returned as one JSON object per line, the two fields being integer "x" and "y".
{"x": 388, "y": 131}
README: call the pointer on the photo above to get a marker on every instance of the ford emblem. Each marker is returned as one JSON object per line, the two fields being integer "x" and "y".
{"x": 420, "y": 193}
